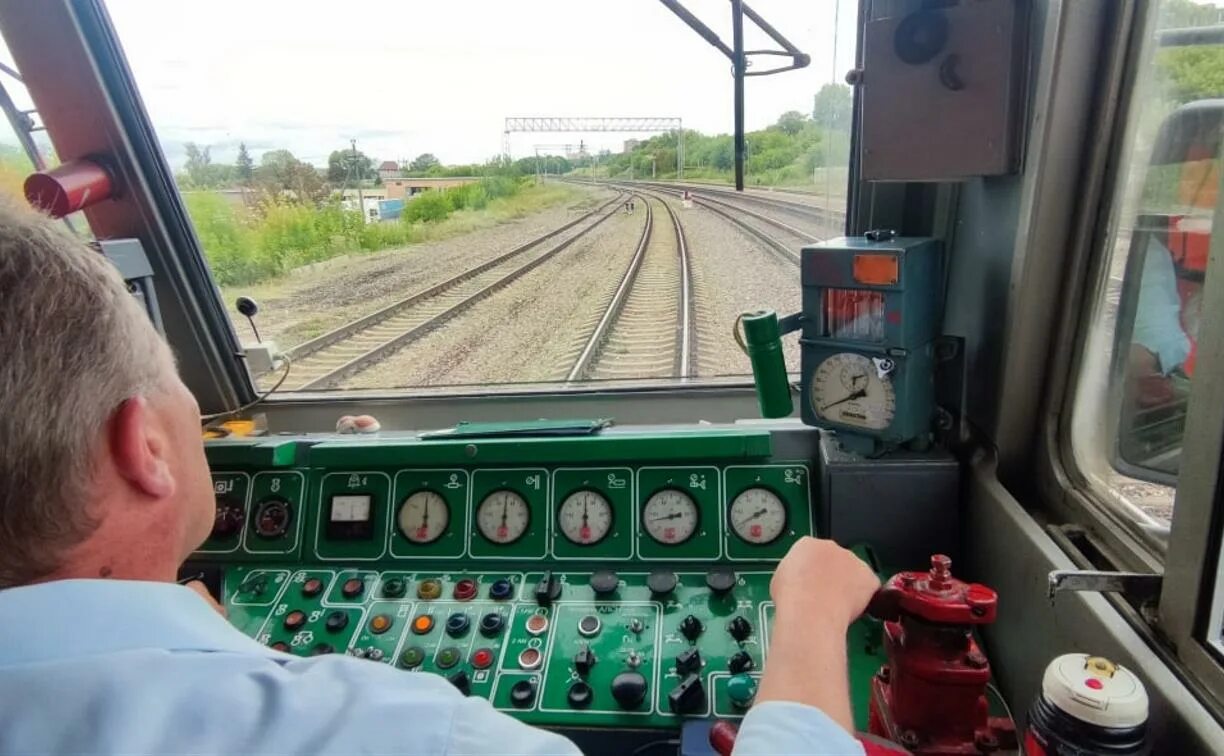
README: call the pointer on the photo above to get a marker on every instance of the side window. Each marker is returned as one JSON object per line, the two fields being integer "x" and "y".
{"x": 1139, "y": 358}
{"x": 17, "y": 139}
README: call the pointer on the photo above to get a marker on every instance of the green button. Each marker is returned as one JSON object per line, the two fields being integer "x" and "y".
{"x": 394, "y": 588}
{"x": 448, "y": 657}
{"x": 741, "y": 689}
{"x": 412, "y": 657}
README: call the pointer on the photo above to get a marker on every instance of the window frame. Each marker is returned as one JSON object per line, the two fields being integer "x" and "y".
{"x": 1188, "y": 553}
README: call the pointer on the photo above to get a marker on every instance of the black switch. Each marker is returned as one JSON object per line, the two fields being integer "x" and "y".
{"x": 740, "y": 661}
{"x": 547, "y": 590}
{"x": 688, "y": 697}
{"x": 629, "y": 689}
{"x": 522, "y": 693}
{"x": 604, "y": 581}
{"x": 580, "y": 695}
{"x": 584, "y": 660}
{"x": 336, "y": 621}
{"x": 460, "y": 680}
{"x": 690, "y": 627}
{"x": 457, "y": 625}
{"x": 491, "y": 624}
{"x": 739, "y": 628}
{"x": 720, "y": 580}
{"x": 661, "y": 582}
{"x": 688, "y": 660}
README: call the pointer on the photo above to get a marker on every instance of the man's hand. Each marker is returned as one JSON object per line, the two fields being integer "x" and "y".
{"x": 819, "y": 589}
{"x": 821, "y": 580}
{"x": 202, "y": 589}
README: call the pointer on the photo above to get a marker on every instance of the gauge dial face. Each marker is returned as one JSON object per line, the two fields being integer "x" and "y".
{"x": 855, "y": 390}
{"x": 423, "y": 517}
{"x": 585, "y": 517}
{"x": 757, "y": 515}
{"x": 670, "y": 516}
{"x": 503, "y": 516}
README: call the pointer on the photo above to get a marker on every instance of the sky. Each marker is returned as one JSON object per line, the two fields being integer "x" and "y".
{"x": 404, "y": 77}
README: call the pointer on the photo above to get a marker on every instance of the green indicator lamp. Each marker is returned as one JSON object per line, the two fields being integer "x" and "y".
{"x": 762, "y": 342}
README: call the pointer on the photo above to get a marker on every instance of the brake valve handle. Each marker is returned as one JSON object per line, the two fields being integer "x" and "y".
{"x": 930, "y": 696}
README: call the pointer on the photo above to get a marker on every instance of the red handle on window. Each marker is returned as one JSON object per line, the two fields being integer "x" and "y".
{"x": 70, "y": 187}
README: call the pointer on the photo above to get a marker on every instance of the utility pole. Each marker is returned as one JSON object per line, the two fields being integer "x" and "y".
{"x": 357, "y": 174}
{"x": 738, "y": 66}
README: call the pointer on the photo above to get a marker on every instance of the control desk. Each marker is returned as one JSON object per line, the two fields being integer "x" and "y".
{"x": 611, "y": 580}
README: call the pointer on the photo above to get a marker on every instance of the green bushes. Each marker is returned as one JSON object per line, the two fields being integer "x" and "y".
{"x": 246, "y": 244}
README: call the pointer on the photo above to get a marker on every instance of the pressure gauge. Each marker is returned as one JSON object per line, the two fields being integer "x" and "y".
{"x": 757, "y": 515}
{"x": 585, "y": 517}
{"x": 423, "y": 517}
{"x": 855, "y": 390}
{"x": 503, "y": 516}
{"x": 670, "y": 516}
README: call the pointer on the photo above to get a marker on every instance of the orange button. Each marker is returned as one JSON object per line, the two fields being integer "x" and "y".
{"x": 381, "y": 623}
{"x": 422, "y": 624}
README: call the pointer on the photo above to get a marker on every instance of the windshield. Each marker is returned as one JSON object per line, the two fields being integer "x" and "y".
{"x": 482, "y": 194}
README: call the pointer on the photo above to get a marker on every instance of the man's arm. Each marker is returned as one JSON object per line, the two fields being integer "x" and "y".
{"x": 803, "y": 705}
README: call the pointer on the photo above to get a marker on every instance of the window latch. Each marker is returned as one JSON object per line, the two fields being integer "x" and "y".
{"x": 1139, "y": 587}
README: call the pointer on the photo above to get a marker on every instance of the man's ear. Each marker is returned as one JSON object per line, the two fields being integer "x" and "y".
{"x": 140, "y": 448}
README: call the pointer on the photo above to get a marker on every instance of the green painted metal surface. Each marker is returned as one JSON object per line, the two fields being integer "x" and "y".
{"x": 638, "y": 631}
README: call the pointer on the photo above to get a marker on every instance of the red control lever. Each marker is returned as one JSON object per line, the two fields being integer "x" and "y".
{"x": 931, "y": 695}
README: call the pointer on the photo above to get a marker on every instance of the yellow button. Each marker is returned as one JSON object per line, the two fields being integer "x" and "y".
{"x": 429, "y": 589}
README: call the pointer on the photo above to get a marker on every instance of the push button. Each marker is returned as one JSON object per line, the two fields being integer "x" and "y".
{"x": 720, "y": 580}
{"x": 629, "y": 690}
{"x": 353, "y": 587}
{"x": 482, "y": 658}
{"x": 429, "y": 589}
{"x": 661, "y": 582}
{"x": 491, "y": 624}
{"x": 294, "y": 620}
{"x": 580, "y": 695}
{"x": 739, "y": 662}
{"x": 457, "y": 625}
{"x": 741, "y": 689}
{"x": 394, "y": 588}
{"x": 448, "y": 657}
{"x": 412, "y": 657}
{"x": 381, "y": 623}
{"x": 312, "y": 587}
{"x": 589, "y": 625}
{"x": 465, "y": 590}
{"x": 336, "y": 621}
{"x": 422, "y": 624}
{"x": 604, "y": 582}
{"x": 522, "y": 694}
{"x": 501, "y": 590}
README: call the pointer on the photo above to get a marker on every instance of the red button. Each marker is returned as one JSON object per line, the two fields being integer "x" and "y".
{"x": 312, "y": 587}
{"x": 1094, "y": 683}
{"x": 465, "y": 590}
{"x": 482, "y": 658}
{"x": 352, "y": 588}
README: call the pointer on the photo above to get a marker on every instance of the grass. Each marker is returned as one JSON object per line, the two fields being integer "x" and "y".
{"x": 527, "y": 200}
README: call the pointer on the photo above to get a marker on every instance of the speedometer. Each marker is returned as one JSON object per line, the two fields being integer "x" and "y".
{"x": 853, "y": 389}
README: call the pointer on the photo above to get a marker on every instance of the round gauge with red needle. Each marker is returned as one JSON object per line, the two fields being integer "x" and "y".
{"x": 423, "y": 517}
{"x": 503, "y": 516}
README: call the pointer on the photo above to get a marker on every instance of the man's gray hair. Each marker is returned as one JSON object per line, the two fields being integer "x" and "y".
{"x": 74, "y": 345}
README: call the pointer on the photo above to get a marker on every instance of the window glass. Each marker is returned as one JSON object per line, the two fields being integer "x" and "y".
{"x": 1139, "y": 357}
{"x": 457, "y": 194}
{"x": 15, "y": 161}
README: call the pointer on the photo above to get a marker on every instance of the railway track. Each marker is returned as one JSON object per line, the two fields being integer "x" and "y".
{"x": 805, "y": 212}
{"x": 777, "y": 237}
{"x": 646, "y": 329}
{"x": 337, "y": 355}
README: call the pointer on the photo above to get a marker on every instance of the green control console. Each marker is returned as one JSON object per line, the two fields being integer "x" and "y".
{"x": 612, "y": 580}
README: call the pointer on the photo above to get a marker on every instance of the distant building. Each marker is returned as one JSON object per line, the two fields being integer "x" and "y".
{"x": 388, "y": 169}
{"x": 401, "y": 187}
{"x": 631, "y": 145}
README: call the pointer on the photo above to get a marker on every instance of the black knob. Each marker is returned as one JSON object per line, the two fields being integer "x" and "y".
{"x": 457, "y": 624}
{"x": 394, "y": 588}
{"x": 229, "y": 518}
{"x": 740, "y": 661}
{"x": 522, "y": 693}
{"x": 691, "y": 627}
{"x": 336, "y": 621}
{"x": 604, "y": 581}
{"x": 720, "y": 580}
{"x": 629, "y": 689}
{"x": 661, "y": 582}
{"x": 247, "y": 307}
{"x": 584, "y": 660}
{"x": 739, "y": 628}
{"x": 688, "y": 660}
{"x": 491, "y": 624}
{"x": 580, "y": 695}
{"x": 460, "y": 680}
{"x": 547, "y": 590}
{"x": 688, "y": 697}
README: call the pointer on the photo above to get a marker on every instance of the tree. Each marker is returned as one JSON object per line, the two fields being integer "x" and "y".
{"x": 279, "y": 172}
{"x": 832, "y": 106}
{"x": 424, "y": 162}
{"x": 791, "y": 122}
{"x": 1183, "y": 14}
{"x": 244, "y": 166}
{"x": 345, "y": 166}
{"x": 198, "y": 161}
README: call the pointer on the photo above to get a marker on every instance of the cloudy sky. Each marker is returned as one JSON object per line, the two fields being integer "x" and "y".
{"x": 410, "y": 76}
